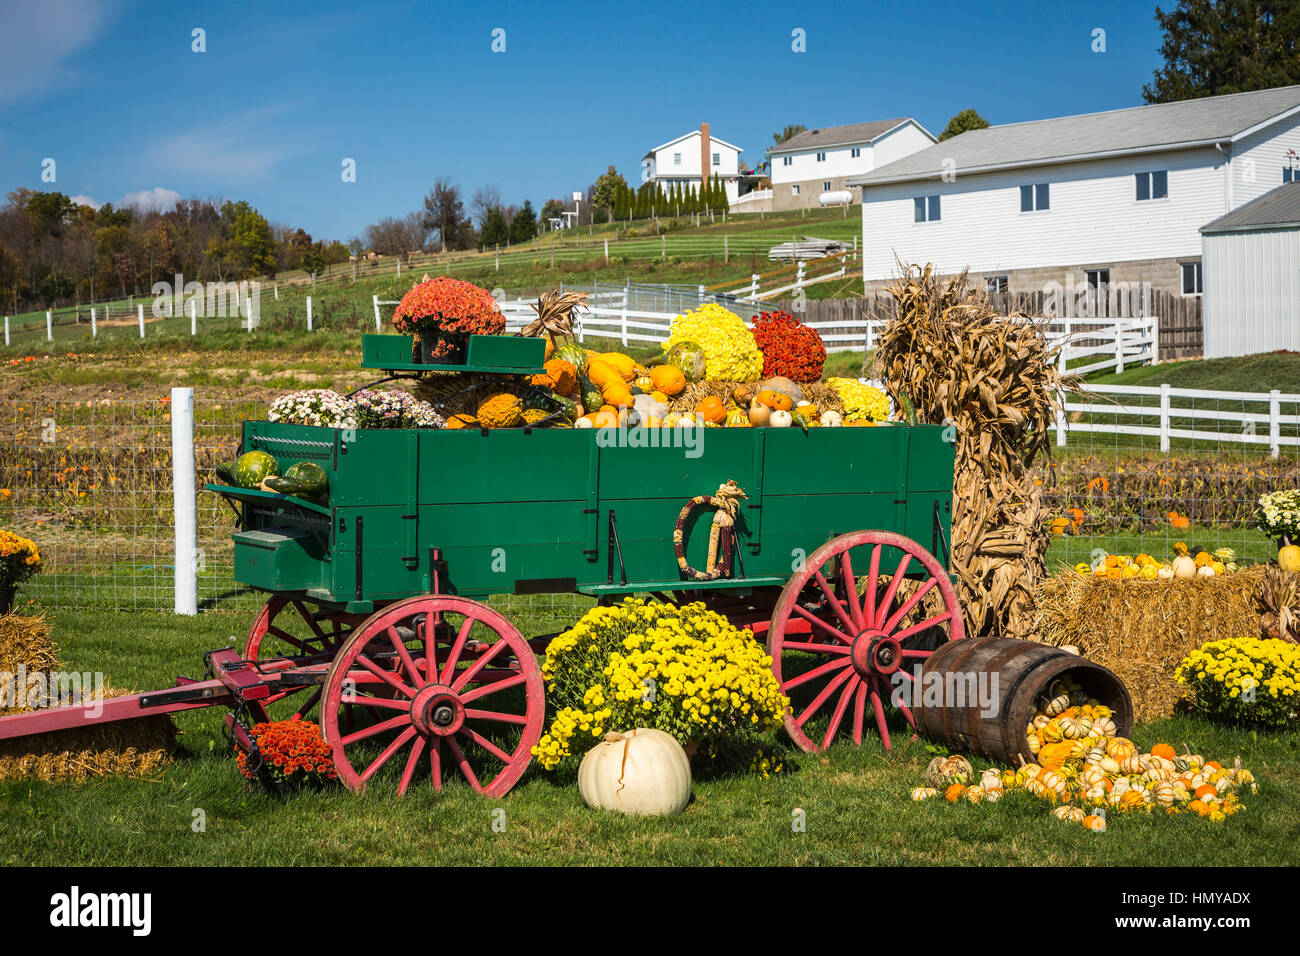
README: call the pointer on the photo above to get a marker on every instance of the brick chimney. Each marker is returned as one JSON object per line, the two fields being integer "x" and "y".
{"x": 706, "y": 166}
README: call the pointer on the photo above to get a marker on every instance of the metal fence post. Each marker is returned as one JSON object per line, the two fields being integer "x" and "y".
{"x": 6, "y": 331}
{"x": 49, "y": 325}
{"x": 1274, "y": 425}
{"x": 376, "y": 301}
{"x": 1164, "y": 416}
{"x": 183, "y": 506}
{"x": 308, "y": 313}
{"x": 1060, "y": 420}
{"x": 139, "y": 311}
{"x": 94, "y": 328}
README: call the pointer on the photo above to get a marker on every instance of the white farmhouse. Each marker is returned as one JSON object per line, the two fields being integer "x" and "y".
{"x": 1083, "y": 201}
{"x": 818, "y": 161}
{"x": 680, "y": 160}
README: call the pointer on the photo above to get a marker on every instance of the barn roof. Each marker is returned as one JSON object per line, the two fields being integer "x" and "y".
{"x": 1277, "y": 208}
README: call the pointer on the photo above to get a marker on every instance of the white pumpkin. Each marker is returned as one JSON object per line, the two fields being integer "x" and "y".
{"x": 832, "y": 419}
{"x": 781, "y": 419}
{"x": 1165, "y": 574}
{"x": 1184, "y": 567}
{"x": 1205, "y": 572}
{"x": 643, "y": 771}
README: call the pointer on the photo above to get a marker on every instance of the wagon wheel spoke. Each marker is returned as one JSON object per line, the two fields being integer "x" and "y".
{"x": 492, "y": 688}
{"x": 385, "y": 703}
{"x": 833, "y": 601}
{"x": 813, "y": 674}
{"x": 851, "y": 590}
{"x": 486, "y": 744}
{"x": 873, "y": 582}
{"x": 817, "y": 648}
{"x": 312, "y": 700}
{"x": 907, "y": 605}
{"x": 824, "y": 696}
{"x": 497, "y": 716}
{"x": 816, "y": 621}
{"x": 468, "y": 674}
{"x": 399, "y": 646}
{"x": 859, "y": 707}
{"x": 890, "y": 592}
{"x": 435, "y": 764}
{"x": 431, "y": 645}
{"x": 878, "y": 706}
{"x": 918, "y": 628}
{"x": 398, "y": 743}
{"x": 308, "y": 619}
{"x": 463, "y": 764}
{"x": 382, "y": 727}
{"x": 384, "y": 676}
{"x": 840, "y": 707}
{"x": 453, "y": 656}
{"x": 408, "y": 774}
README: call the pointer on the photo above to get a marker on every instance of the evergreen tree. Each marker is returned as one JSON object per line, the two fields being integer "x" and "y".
{"x": 496, "y": 230}
{"x": 524, "y": 224}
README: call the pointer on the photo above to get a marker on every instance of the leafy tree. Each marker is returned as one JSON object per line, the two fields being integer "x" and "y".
{"x": 963, "y": 122}
{"x": 524, "y": 224}
{"x": 444, "y": 215}
{"x": 787, "y": 133}
{"x": 552, "y": 209}
{"x": 1226, "y": 46}
{"x": 607, "y": 189}
{"x": 315, "y": 259}
{"x": 249, "y": 243}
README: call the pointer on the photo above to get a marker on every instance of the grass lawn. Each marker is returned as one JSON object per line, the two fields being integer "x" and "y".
{"x": 854, "y": 800}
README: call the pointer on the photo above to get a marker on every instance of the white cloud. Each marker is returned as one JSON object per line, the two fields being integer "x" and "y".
{"x": 90, "y": 201}
{"x": 231, "y": 148}
{"x": 157, "y": 199}
{"x": 38, "y": 37}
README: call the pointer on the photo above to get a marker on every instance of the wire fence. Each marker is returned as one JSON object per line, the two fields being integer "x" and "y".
{"x": 91, "y": 482}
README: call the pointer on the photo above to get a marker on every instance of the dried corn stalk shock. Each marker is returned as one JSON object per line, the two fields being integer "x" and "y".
{"x": 993, "y": 379}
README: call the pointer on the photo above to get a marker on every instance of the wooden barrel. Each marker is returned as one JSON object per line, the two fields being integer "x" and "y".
{"x": 1007, "y": 675}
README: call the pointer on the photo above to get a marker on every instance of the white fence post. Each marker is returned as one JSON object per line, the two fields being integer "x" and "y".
{"x": 194, "y": 318}
{"x": 606, "y": 252}
{"x": 376, "y": 313}
{"x": 624, "y": 321}
{"x": 1274, "y": 425}
{"x": 1164, "y": 416}
{"x": 753, "y": 285}
{"x": 1119, "y": 345}
{"x": 1065, "y": 344}
{"x": 1155, "y": 339}
{"x": 6, "y": 331}
{"x": 94, "y": 328}
{"x": 1060, "y": 420}
{"x": 186, "y": 562}
{"x": 139, "y": 311}
{"x": 308, "y": 313}
{"x": 49, "y": 325}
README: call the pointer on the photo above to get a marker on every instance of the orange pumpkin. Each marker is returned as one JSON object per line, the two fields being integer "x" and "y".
{"x": 711, "y": 410}
{"x": 668, "y": 379}
{"x": 1164, "y": 751}
{"x": 1199, "y": 807}
{"x": 954, "y": 793}
{"x": 1206, "y": 792}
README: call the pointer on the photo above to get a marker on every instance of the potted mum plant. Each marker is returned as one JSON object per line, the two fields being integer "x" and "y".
{"x": 444, "y": 312}
{"x": 19, "y": 560}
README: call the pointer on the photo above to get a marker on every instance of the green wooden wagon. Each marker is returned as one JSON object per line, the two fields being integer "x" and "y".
{"x": 837, "y": 558}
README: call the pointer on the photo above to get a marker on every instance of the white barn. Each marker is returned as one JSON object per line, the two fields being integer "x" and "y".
{"x": 1090, "y": 200}
{"x": 1251, "y": 260}
{"x": 680, "y": 160}
{"x": 824, "y": 160}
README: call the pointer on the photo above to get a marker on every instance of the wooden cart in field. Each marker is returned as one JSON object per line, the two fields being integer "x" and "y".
{"x": 377, "y": 624}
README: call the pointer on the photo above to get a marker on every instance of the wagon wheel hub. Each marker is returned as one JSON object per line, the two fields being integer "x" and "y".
{"x": 874, "y": 652}
{"x": 437, "y": 711}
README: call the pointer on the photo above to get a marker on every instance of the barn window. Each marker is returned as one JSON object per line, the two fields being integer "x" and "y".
{"x": 925, "y": 209}
{"x": 1097, "y": 278}
{"x": 717, "y": 159}
{"x": 1191, "y": 278}
{"x": 1153, "y": 185}
{"x": 677, "y": 159}
{"x": 821, "y": 157}
{"x": 855, "y": 152}
{"x": 826, "y": 186}
{"x": 794, "y": 190}
{"x": 1034, "y": 197}
{"x": 787, "y": 160}
{"x": 997, "y": 285}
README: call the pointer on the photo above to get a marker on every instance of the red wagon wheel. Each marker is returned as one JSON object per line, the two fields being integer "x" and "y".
{"x": 434, "y": 686}
{"x": 838, "y": 642}
{"x": 289, "y": 627}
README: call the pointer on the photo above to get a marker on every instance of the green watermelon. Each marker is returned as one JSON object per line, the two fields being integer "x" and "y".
{"x": 305, "y": 479}
{"x": 576, "y": 355}
{"x": 254, "y": 467}
{"x": 225, "y": 473}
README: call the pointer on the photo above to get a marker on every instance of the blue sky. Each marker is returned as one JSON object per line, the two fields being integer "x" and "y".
{"x": 412, "y": 91}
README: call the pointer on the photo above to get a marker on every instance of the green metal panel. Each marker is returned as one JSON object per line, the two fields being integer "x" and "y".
{"x": 529, "y": 510}
{"x": 286, "y": 559}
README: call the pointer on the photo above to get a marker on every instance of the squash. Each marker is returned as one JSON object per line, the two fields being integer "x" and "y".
{"x": 572, "y": 353}
{"x": 625, "y": 365}
{"x": 1163, "y": 751}
{"x": 668, "y": 379}
{"x": 1288, "y": 557}
{"x": 689, "y": 357}
{"x": 560, "y": 376}
{"x": 945, "y": 771}
{"x": 1184, "y": 567}
{"x": 501, "y": 410}
{"x": 781, "y": 418}
{"x": 737, "y": 418}
{"x": 923, "y": 793}
{"x": 643, "y": 771}
{"x": 760, "y": 416}
{"x": 711, "y": 410}
{"x": 304, "y": 479}
{"x": 954, "y": 792}
{"x": 1095, "y": 822}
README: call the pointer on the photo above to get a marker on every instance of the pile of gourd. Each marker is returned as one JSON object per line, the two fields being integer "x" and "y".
{"x": 260, "y": 470}
{"x": 1206, "y": 564}
{"x": 611, "y": 389}
{"x": 1084, "y": 769}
